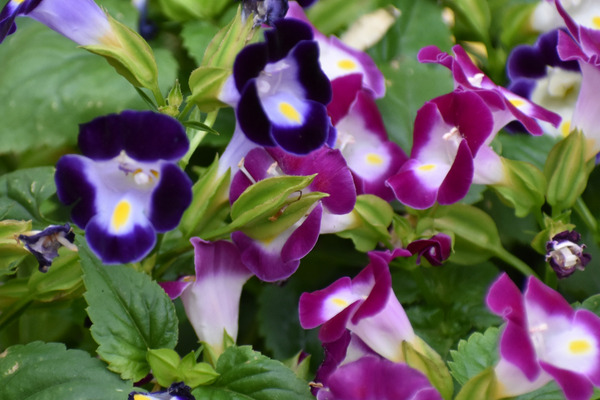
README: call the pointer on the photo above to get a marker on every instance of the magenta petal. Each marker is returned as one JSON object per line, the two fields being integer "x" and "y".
{"x": 547, "y": 299}
{"x": 505, "y": 300}
{"x": 311, "y": 304}
{"x": 592, "y": 324}
{"x": 336, "y": 326}
{"x": 378, "y": 274}
{"x": 174, "y": 288}
{"x": 302, "y": 241}
{"x": 345, "y": 89}
{"x": 575, "y": 386}
{"x": 516, "y": 347}
{"x": 409, "y": 189}
{"x": 459, "y": 178}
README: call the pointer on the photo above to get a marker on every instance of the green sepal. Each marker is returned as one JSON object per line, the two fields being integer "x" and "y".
{"x": 552, "y": 226}
{"x": 130, "y": 55}
{"x": 268, "y": 198}
{"x": 11, "y": 252}
{"x": 372, "y": 216}
{"x": 210, "y": 197}
{"x": 174, "y": 100}
{"x": 168, "y": 368}
{"x": 567, "y": 171}
{"x": 186, "y": 10}
{"x": 482, "y": 386}
{"x": 524, "y": 187}
{"x": 419, "y": 355}
{"x": 206, "y": 83}
{"x": 300, "y": 368}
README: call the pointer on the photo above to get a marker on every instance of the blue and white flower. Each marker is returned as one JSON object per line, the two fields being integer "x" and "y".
{"x": 126, "y": 187}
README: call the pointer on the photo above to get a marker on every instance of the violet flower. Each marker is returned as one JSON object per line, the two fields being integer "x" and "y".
{"x": 126, "y": 187}
{"x": 212, "y": 297}
{"x": 448, "y": 133}
{"x": 264, "y": 11}
{"x": 283, "y": 91}
{"x": 538, "y": 74}
{"x": 362, "y": 137}
{"x": 44, "y": 245}
{"x": 544, "y": 339}
{"x": 436, "y": 250}
{"x": 372, "y": 378}
{"x": 583, "y": 45}
{"x": 177, "y": 391}
{"x": 565, "y": 255}
{"x": 338, "y": 59}
{"x": 365, "y": 305}
{"x": 278, "y": 258}
{"x": 82, "y": 21}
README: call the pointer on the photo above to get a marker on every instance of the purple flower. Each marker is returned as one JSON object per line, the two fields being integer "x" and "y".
{"x": 177, "y": 391}
{"x": 44, "y": 245}
{"x": 565, "y": 255}
{"x": 544, "y": 339}
{"x": 126, "y": 187}
{"x": 212, "y": 297}
{"x": 283, "y": 91}
{"x": 265, "y": 11}
{"x": 436, "y": 250}
{"x": 338, "y": 59}
{"x": 365, "y": 305}
{"x": 278, "y": 257}
{"x": 372, "y": 378}
{"x": 583, "y": 45}
{"x": 82, "y": 21}
{"x": 362, "y": 137}
{"x": 448, "y": 134}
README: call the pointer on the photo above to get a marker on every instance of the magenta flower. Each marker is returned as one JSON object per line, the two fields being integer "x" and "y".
{"x": 544, "y": 339}
{"x": 365, "y": 305}
{"x": 278, "y": 257}
{"x": 448, "y": 133}
{"x": 212, "y": 297}
{"x": 436, "y": 250}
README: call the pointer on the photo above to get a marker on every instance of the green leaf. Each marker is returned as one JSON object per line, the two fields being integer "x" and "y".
{"x": 196, "y": 36}
{"x": 475, "y": 14}
{"x": 48, "y": 371}
{"x": 130, "y": 314}
{"x": 22, "y": 193}
{"x": 425, "y": 359}
{"x": 168, "y": 368}
{"x": 50, "y": 86}
{"x": 474, "y": 355}
{"x": 374, "y": 216}
{"x": 248, "y": 375}
{"x": 11, "y": 252}
{"x": 482, "y": 386}
{"x": 550, "y": 391}
{"x": 592, "y": 304}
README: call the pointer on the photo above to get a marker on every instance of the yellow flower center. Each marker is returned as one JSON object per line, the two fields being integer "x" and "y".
{"x": 347, "y": 65}
{"x": 374, "y": 159}
{"x": 339, "y": 302}
{"x": 580, "y": 346}
{"x": 565, "y": 128}
{"x": 121, "y": 215}
{"x": 426, "y": 167}
{"x": 517, "y": 102}
{"x": 596, "y": 22}
{"x": 289, "y": 112}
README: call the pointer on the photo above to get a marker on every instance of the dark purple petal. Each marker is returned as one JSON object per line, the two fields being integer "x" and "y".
{"x": 335, "y": 353}
{"x": 170, "y": 198}
{"x": 525, "y": 61}
{"x": 218, "y": 258}
{"x": 256, "y": 163}
{"x": 436, "y": 250}
{"x": 73, "y": 187}
{"x": 304, "y": 238}
{"x": 304, "y": 138}
{"x": 113, "y": 249}
{"x": 574, "y": 385}
{"x": 12, "y": 10}
{"x": 334, "y": 328}
{"x": 252, "y": 118}
{"x": 458, "y": 180}
{"x": 248, "y": 64}
{"x": 306, "y": 3}
{"x": 344, "y": 90}
{"x": 286, "y": 34}
{"x": 102, "y": 138}
{"x": 310, "y": 75}
{"x": 377, "y": 273}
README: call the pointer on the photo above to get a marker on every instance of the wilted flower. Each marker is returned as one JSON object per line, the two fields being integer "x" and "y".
{"x": 177, "y": 391}
{"x": 264, "y": 11}
{"x": 565, "y": 255}
{"x": 44, "y": 245}
{"x": 544, "y": 339}
{"x": 126, "y": 187}
{"x": 436, "y": 250}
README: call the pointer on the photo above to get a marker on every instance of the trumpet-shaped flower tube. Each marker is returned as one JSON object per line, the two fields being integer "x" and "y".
{"x": 448, "y": 133}
{"x": 126, "y": 187}
{"x": 283, "y": 91}
{"x": 279, "y": 257}
{"x": 544, "y": 339}
{"x": 365, "y": 305}
{"x": 372, "y": 378}
{"x": 82, "y": 21}
{"x": 212, "y": 297}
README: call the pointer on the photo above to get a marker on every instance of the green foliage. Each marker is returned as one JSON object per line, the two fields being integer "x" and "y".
{"x": 167, "y": 368}
{"x": 373, "y": 216}
{"x": 130, "y": 314}
{"x": 47, "y": 371}
{"x": 525, "y": 188}
{"x": 474, "y": 355}
{"x": 246, "y": 374}
{"x": 23, "y": 192}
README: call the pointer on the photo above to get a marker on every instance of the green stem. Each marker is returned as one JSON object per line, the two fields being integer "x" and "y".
{"x": 510, "y": 259}
{"x": 586, "y": 215}
{"x": 198, "y": 137}
{"x": 160, "y": 100}
{"x": 188, "y": 107}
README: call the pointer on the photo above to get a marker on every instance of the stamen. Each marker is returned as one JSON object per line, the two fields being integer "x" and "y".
{"x": 453, "y": 134}
{"x": 539, "y": 328}
{"x": 245, "y": 171}
{"x": 476, "y": 79}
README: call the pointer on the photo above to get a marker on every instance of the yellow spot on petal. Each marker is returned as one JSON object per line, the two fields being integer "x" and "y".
{"x": 346, "y": 64}
{"x": 374, "y": 159}
{"x": 289, "y": 111}
{"x": 596, "y": 22}
{"x": 580, "y": 346}
{"x": 121, "y": 215}
{"x": 565, "y": 128}
{"x": 141, "y": 397}
{"x": 517, "y": 102}
{"x": 154, "y": 172}
{"x": 426, "y": 167}
{"x": 339, "y": 302}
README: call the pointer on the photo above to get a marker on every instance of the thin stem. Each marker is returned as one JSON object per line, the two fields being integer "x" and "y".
{"x": 160, "y": 100}
{"x": 586, "y": 215}
{"x": 188, "y": 107}
{"x": 510, "y": 259}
